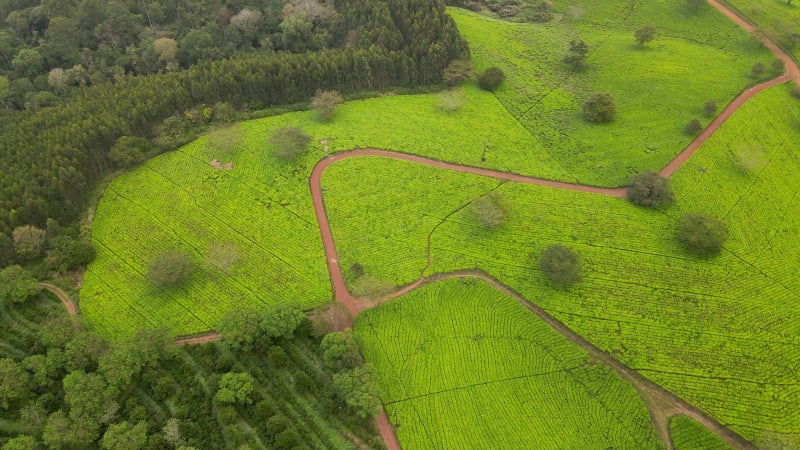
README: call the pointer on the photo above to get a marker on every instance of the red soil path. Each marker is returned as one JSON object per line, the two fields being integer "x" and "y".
{"x": 662, "y": 404}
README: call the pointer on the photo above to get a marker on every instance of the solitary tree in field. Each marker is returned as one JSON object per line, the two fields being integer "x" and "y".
{"x": 645, "y": 34}
{"x": 490, "y": 211}
{"x": 491, "y": 78}
{"x": 702, "y": 235}
{"x": 650, "y": 189}
{"x": 170, "y": 270}
{"x": 325, "y": 103}
{"x": 561, "y": 265}
{"x": 578, "y": 51}
{"x": 28, "y": 241}
{"x": 600, "y": 107}
{"x": 710, "y": 108}
{"x": 289, "y": 142}
{"x": 757, "y": 70}
{"x": 693, "y": 127}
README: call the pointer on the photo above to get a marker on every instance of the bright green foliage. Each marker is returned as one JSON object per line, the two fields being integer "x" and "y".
{"x": 358, "y": 388}
{"x": 17, "y": 285}
{"x": 240, "y": 328}
{"x": 264, "y": 209}
{"x": 124, "y": 436}
{"x": 686, "y": 434}
{"x": 22, "y": 442}
{"x": 463, "y": 366}
{"x": 235, "y": 388}
{"x": 642, "y": 299}
{"x": 697, "y": 56}
{"x": 340, "y": 351}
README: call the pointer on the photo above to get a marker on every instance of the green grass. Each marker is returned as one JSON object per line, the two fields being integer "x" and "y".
{"x": 464, "y": 366}
{"x": 774, "y": 18}
{"x": 687, "y": 434}
{"x": 658, "y": 88}
{"x": 178, "y": 202}
{"x": 719, "y": 333}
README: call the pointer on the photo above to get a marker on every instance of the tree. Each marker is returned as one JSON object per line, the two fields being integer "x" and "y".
{"x": 710, "y": 108}
{"x": 645, "y": 34}
{"x": 281, "y": 320}
{"x": 28, "y": 63}
{"x": 172, "y": 433}
{"x": 66, "y": 253}
{"x": 757, "y": 70}
{"x": 457, "y": 72}
{"x": 358, "y": 388}
{"x": 235, "y": 388}
{"x": 17, "y": 285}
{"x": 601, "y": 107}
{"x": 325, "y": 103}
{"x": 578, "y": 52}
{"x": 28, "y": 241}
{"x": 702, "y": 235}
{"x": 166, "y": 49}
{"x": 129, "y": 151}
{"x": 240, "y": 328}
{"x": 170, "y": 270}
{"x": 289, "y": 142}
{"x": 491, "y": 78}
{"x": 490, "y": 211}
{"x": 21, "y": 442}
{"x": 124, "y": 436}
{"x": 561, "y": 265}
{"x": 13, "y": 382}
{"x": 650, "y": 189}
{"x": 693, "y": 127}
{"x": 340, "y": 351}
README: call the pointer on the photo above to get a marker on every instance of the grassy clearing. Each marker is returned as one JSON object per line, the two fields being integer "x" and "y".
{"x": 262, "y": 210}
{"x": 659, "y": 88}
{"x": 464, "y": 366}
{"x": 687, "y": 434}
{"x": 719, "y": 333}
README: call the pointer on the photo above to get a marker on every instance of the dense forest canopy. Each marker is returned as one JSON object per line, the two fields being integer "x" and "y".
{"x": 79, "y": 75}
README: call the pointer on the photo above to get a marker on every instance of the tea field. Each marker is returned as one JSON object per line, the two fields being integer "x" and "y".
{"x": 778, "y": 20}
{"x": 719, "y": 333}
{"x": 464, "y": 366}
{"x": 687, "y": 434}
{"x": 658, "y": 88}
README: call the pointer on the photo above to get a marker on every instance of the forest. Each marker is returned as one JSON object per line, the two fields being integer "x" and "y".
{"x": 68, "y": 104}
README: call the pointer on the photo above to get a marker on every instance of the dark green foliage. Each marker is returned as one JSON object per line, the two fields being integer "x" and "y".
{"x": 170, "y": 270}
{"x": 650, "y": 189}
{"x": 457, "y": 72}
{"x": 235, "y": 388}
{"x": 491, "y": 78}
{"x": 561, "y": 265}
{"x": 288, "y": 143}
{"x": 600, "y": 107}
{"x": 578, "y": 52}
{"x": 645, "y": 34}
{"x": 757, "y": 71}
{"x": 66, "y": 253}
{"x": 702, "y": 235}
{"x": 13, "y": 382}
{"x": 710, "y": 108}
{"x": 341, "y": 351}
{"x": 129, "y": 151}
{"x": 357, "y": 387}
{"x": 17, "y": 285}
{"x": 693, "y": 127}
{"x": 778, "y": 66}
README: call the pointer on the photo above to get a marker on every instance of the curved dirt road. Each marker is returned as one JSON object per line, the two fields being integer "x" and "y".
{"x": 63, "y": 296}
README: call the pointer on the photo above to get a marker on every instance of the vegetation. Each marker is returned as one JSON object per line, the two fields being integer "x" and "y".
{"x": 170, "y": 270}
{"x": 702, "y": 234}
{"x": 686, "y": 434}
{"x": 693, "y": 127}
{"x": 325, "y": 103}
{"x": 56, "y": 391}
{"x": 496, "y": 367}
{"x": 645, "y": 34}
{"x": 288, "y": 143}
{"x": 490, "y": 211}
{"x": 561, "y": 265}
{"x": 578, "y": 52}
{"x": 650, "y": 189}
{"x": 600, "y": 107}
{"x": 491, "y": 78}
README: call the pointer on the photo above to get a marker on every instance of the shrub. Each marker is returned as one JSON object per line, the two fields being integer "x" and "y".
{"x": 650, "y": 189}
{"x": 170, "y": 270}
{"x": 289, "y": 142}
{"x": 491, "y": 79}
{"x": 325, "y": 103}
{"x": 645, "y": 34}
{"x": 600, "y": 107}
{"x": 693, "y": 127}
{"x": 561, "y": 265}
{"x": 710, "y": 108}
{"x": 578, "y": 51}
{"x": 490, "y": 211}
{"x": 757, "y": 70}
{"x": 778, "y": 66}
{"x": 702, "y": 235}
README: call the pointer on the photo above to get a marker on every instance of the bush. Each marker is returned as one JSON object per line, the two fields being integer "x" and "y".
{"x": 650, "y": 189}
{"x": 578, "y": 52}
{"x": 778, "y": 66}
{"x": 702, "y": 235}
{"x": 28, "y": 241}
{"x": 490, "y": 211}
{"x": 693, "y": 127}
{"x": 645, "y": 34}
{"x": 491, "y": 79}
{"x": 325, "y": 103}
{"x": 170, "y": 270}
{"x": 757, "y": 70}
{"x": 600, "y": 107}
{"x": 561, "y": 265}
{"x": 710, "y": 107}
{"x": 289, "y": 142}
